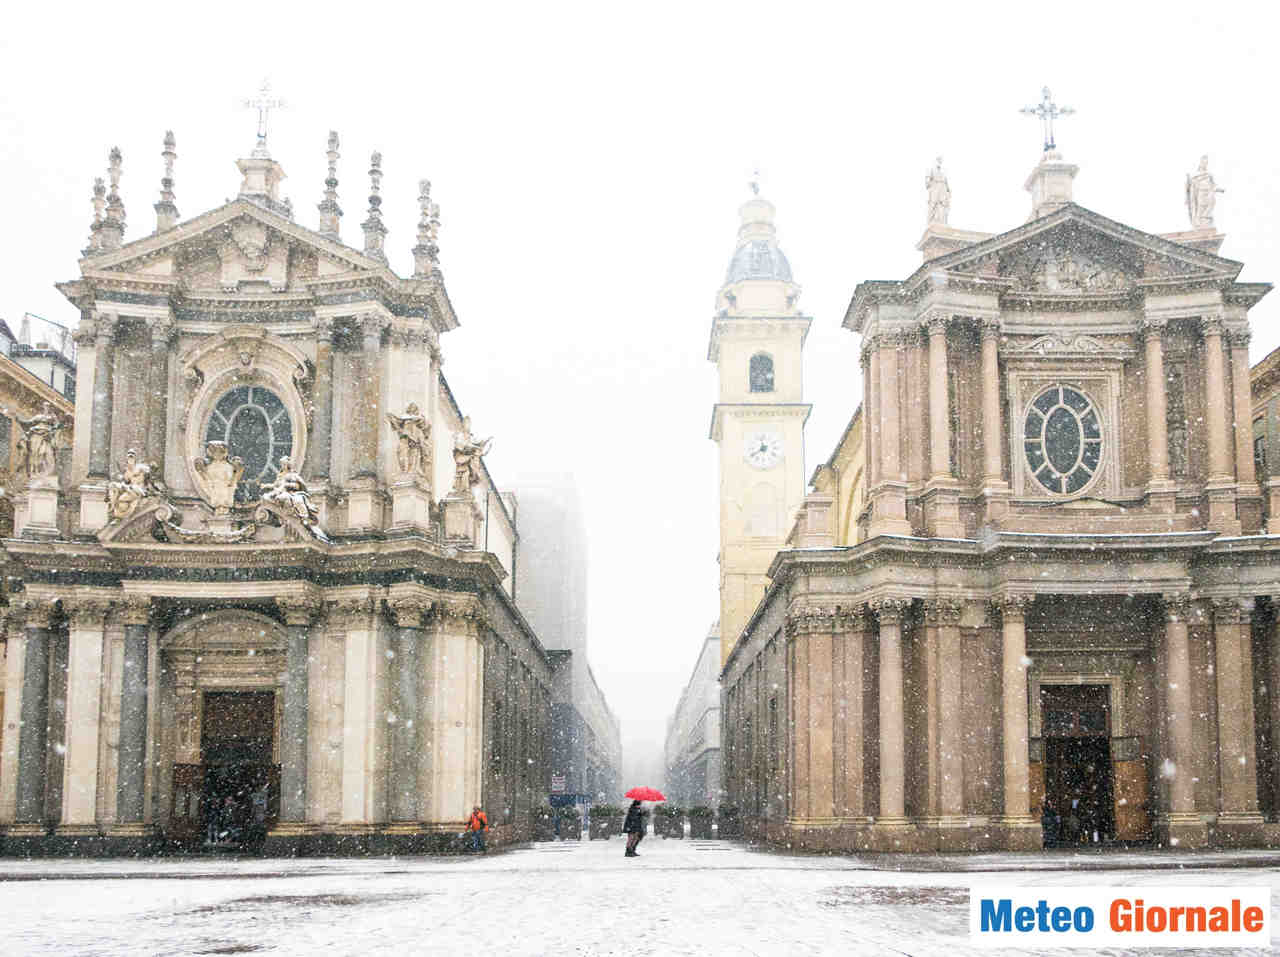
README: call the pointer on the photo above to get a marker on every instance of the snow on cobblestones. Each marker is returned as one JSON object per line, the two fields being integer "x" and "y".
{"x": 679, "y": 897}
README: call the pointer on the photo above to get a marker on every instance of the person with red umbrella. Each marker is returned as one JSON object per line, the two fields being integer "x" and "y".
{"x": 636, "y": 824}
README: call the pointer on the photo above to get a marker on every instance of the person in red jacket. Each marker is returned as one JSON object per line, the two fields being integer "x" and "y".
{"x": 476, "y": 828}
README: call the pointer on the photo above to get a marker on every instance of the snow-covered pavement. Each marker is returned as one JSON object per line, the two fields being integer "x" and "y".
{"x": 679, "y": 897}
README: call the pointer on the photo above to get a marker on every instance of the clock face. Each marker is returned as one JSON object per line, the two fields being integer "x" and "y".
{"x": 762, "y": 450}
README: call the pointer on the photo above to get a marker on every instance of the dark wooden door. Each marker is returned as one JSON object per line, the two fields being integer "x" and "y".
{"x": 186, "y": 819}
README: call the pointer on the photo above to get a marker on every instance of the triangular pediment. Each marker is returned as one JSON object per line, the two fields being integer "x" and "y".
{"x": 1077, "y": 251}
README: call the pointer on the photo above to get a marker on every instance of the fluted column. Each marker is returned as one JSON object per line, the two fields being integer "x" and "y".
{"x": 321, "y": 442}
{"x": 892, "y": 715}
{"x": 102, "y": 399}
{"x": 405, "y": 797}
{"x": 84, "y": 713}
{"x": 992, "y": 430}
{"x": 1017, "y": 803}
{"x": 33, "y": 728}
{"x": 1237, "y": 773}
{"x": 131, "y": 777}
{"x": 162, "y": 330}
{"x": 299, "y": 614}
{"x": 1157, "y": 410}
{"x": 1216, "y": 400}
{"x": 935, "y": 325}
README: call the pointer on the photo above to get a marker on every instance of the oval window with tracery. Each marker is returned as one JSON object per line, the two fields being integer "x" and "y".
{"x": 1062, "y": 439}
{"x": 254, "y": 423}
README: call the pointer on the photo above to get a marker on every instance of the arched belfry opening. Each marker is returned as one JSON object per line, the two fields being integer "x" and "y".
{"x": 760, "y": 372}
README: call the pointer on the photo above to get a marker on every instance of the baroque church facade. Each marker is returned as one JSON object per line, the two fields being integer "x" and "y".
{"x": 272, "y": 585}
{"x": 1032, "y": 594}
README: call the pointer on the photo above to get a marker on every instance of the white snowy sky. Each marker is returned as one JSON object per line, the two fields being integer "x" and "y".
{"x": 589, "y": 160}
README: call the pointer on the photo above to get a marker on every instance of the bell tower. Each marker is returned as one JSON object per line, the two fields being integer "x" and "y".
{"x": 757, "y": 342}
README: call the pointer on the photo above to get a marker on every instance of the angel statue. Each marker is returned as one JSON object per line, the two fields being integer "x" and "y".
{"x": 221, "y": 475}
{"x": 467, "y": 456}
{"x": 289, "y": 490}
{"x": 132, "y": 484}
{"x": 414, "y": 431}
{"x": 39, "y": 433}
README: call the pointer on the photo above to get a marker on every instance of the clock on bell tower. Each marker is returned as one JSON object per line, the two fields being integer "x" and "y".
{"x": 757, "y": 341}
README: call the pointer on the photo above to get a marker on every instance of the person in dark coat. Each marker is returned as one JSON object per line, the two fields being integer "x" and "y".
{"x": 634, "y": 827}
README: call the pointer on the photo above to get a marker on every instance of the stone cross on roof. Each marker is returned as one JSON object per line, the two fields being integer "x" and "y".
{"x": 1048, "y": 111}
{"x": 264, "y": 103}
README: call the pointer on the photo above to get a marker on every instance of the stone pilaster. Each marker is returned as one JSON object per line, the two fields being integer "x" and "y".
{"x": 364, "y": 726}
{"x": 810, "y": 633}
{"x": 1238, "y": 819}
{"x": 450, "y": 771}
{"x": 84, "y": 711}
{"x": 300, "y": 612}
{"x": 1180, "y": 825}
{"x": 33, "y": 727}
{"x": 1022, "y": 831}
{"x": 1159, "y": 488}
{"x": 405, "y": 798}
{"x": 1220, "y": 489}
{"x": 102, "y": 399}
{"x": 946, "y": 749}
{"x": 847, "y": 671}
{"x": 364, "y": 501}
{"x": 892, "y": 820}
{"x": 13, "y": 630}
{"x": 1248, "y": 494}
{"x": 995, "y": 487}
{"x": 942, "y": 495}
{"x": 162, "y": 332}
{"x": 132, "y": 753}
{"x": 889, "y": 493}
{"x": 321, "y": 440}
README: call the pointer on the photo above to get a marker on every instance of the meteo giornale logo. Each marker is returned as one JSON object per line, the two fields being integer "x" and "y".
{"x": 1151, "y": 916}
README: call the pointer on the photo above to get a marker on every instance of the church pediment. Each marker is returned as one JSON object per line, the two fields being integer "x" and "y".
{"x": 1075, "y": 251}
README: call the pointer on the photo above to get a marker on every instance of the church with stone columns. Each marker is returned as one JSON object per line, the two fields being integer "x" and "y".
{"x": 268, "y": 597}
{"x": 1031, "y": 597}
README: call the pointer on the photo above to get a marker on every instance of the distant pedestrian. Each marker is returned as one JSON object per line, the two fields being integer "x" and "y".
{"x": 634, "y": 827}
{"x": 476, "y": 828}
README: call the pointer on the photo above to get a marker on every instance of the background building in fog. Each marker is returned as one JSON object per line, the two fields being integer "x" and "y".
{"x": 692, "y": 746}
{"x": 586, "y": 747}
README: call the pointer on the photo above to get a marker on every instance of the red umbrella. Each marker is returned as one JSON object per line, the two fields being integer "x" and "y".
{"x": 645, "y": 794}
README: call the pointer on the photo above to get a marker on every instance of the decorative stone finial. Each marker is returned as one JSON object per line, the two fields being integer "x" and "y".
{"x": 166, "y": 210}
{"x": 330, "y": 211}
{"x": 1201, "y": 196}
{"x": 112, "y": 227}
{"x": 99, "y": 204}
{"x": 426, "y": 261}
{"x": 939, "y": 193}
{"x": 374, "y": 230}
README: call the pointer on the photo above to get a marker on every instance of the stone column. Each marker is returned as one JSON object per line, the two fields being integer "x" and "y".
{"x": 320, "y": 452}
{"x": 851, "y": 626}
{"x": 450, "y": 769}
{"x": 84, "y": 714}
{"x": 131, "y": 778}
{"x": 935, "y": 324}
{"x": 1023, "y": 829}
{"x": 1273, "y": 656}
{"x": 364, "y": 725}
{"x": 892, "y": 716}
{"x": 102, "y": 399}
{"x": 300, "y": 613}
{"x": 367, "y": 399}
{"x": 1238, "y": 819}
{"x": 810, "y": 631}
{"x": 1248, "y": 494}
{"x": 992, "y": 429}
{"x": 1157, "y": 409}
{"x": 944, "y": 614}
{"x": 1216, "y": 399}
{"x": 33, "y": 729}
{"x": 1181, "y": 823}
{"x": 405, "y": 799}
{"x": 162, "y": 330}
{"x": 888, "y": 495}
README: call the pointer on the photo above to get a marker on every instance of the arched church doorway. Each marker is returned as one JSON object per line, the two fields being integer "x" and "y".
{"x": 1078, "y": 778}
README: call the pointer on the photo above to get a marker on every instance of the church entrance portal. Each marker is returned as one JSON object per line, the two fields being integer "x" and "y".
{"x": 1078, "y": 780}
{"x": 240, "y": 791}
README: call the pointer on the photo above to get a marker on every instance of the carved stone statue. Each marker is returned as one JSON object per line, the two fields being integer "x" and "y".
{"x": 221, "y": 476}
{"x": 467, "y": 456}
{"x": 35, "y": 448}
{"x": 290, "y": 491}
{"x": 414, "y": 432}
{"x": 939, "y": 194}
{"x": 1201, "y": 196}
{"x": 132, "y": 484}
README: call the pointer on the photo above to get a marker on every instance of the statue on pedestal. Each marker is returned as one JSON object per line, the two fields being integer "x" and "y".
{"x": 132, "y": 484}
{"x": 939, "y": 194}
{"x": 414, "y": 432}
{"x": 221, "y": 475}
{"x": 289, "y": 490}
{"x": 467, "y": 458}
{"x": 1201, "y": 196}
{"x": 35, "y": 447}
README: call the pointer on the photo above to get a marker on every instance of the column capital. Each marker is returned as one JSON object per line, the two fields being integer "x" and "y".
{"x": 1152, "y": 327}
{"x": 989, "y": 329}
{"x": 459, "y": 611}
{"x": 1013, "y": 607}
{"x": 890, "y": 610}
{"x": 935, "y": 321}
{"x": 409, "y": 611}
{"x": 87, "y": 611}
{"x": 351, "y": 608}
{"x": 1177, "y": 607}
{"x": 944, "y": 611}
{"x": 135, "y": 609}
{"x": 810, "y": 620}
{"x": 104, "y": 326}
{"x": 371, "y": 325}
{"x": 1211, "y": 325}
{"x": 1232, "y": 611}
{"x": 35, "y": 612}
{"x": 299, "y": 609}
{"x": 1239, "y": 338}
{"x": 324, "y": 328}
{"x": 162, "y": 329}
